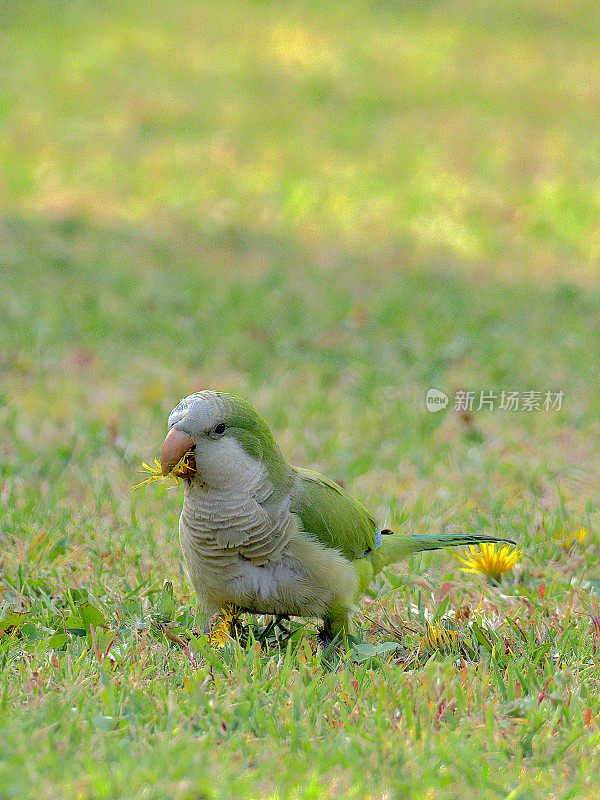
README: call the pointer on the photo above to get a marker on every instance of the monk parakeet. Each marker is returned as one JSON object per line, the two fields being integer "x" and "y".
{"x": 268, "y": 537}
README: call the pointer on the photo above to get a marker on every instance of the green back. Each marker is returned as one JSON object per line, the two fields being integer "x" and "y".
{"x": 333, "y": 516}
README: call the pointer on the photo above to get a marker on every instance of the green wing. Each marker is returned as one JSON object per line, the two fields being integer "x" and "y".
{"x": 333, "y": 516}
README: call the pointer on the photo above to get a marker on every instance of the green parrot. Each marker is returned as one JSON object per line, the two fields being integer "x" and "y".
{"x": 268, "y": 537}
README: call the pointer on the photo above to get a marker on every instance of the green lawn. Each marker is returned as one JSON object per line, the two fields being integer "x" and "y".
{"x": 327, "y": 214}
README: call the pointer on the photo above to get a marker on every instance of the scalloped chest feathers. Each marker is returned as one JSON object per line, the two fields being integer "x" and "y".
{"x": 222, "y": 529}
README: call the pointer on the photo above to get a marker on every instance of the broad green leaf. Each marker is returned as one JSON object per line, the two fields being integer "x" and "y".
{"x": 91, "y": 615}
{"x": 58, "y": 641}
{"x": 13, "y": 620}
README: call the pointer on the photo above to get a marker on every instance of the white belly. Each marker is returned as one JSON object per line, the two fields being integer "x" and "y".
{"x": 281, "y": 586}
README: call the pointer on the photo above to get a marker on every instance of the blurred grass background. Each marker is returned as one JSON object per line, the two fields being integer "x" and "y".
{"x": 327, "y": 210}
{"x": 362, "y": 201}
{"x": 468, "y": 127}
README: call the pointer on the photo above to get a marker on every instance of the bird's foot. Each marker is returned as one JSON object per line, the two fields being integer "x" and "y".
{"x": 330, "y": 640}
{"x": 325, "y": 638}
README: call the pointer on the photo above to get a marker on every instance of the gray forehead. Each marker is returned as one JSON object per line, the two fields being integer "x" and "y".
{"x": 201, "y": 410}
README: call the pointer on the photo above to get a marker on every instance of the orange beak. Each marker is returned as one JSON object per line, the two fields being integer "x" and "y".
{"x": 176, "y": 445}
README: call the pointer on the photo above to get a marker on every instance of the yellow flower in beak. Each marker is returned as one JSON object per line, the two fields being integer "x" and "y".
{"x": 490, "y": 560}
{"x": 184, "y": 469}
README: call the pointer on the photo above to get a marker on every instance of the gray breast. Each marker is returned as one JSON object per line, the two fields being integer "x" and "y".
{"x": 220, "y": 528}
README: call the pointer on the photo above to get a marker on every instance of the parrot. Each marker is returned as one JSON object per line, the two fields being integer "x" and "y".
{"x": 266, "y": 537}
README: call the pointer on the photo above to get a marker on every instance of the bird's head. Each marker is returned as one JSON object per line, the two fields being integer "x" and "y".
{"x": 227, "y": 436}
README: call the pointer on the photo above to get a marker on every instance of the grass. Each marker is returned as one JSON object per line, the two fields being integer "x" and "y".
{"x": 157, "y": 240}
{"x": 468, "y": 127}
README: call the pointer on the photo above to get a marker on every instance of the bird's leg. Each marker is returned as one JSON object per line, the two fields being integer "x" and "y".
{"x": 274, "y": 624}
{"x": 337, "y": 625}
{"x": 325, "y": 637}
{"x": 280, "y": 626}
{"x": 267, "y": 630}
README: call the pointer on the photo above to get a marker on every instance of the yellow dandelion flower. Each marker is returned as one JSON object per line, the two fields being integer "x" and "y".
{"x": 221, "y": 635}
{"x": 567, "y": 539}
{"x": 439, "y": 638}
{"x": 185, "y": 468}
{"x": 490, "y": 560}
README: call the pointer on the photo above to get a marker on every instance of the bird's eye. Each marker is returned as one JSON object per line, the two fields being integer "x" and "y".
{"x": 219, "y": 429}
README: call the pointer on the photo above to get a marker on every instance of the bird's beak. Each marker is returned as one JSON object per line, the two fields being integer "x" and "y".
{"x": 176, "y": 445}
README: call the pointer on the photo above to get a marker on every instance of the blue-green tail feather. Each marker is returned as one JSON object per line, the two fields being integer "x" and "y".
{"x": 397, "y": 546}
{"x": 435, "y": 541}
